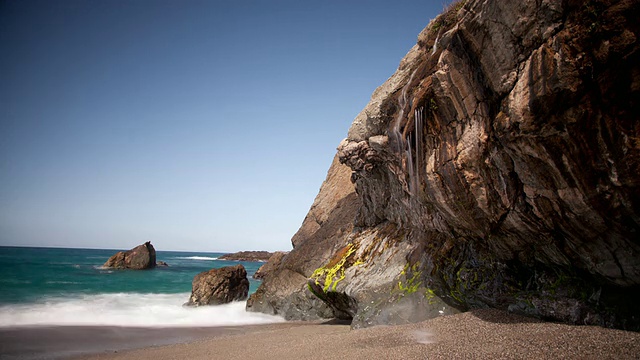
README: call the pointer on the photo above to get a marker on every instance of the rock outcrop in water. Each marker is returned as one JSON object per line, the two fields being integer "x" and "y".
{"x": 219, "y": 286}
{"x": 247, "y": 256}
{"x": 139, "y": 258}
{"x": 498, "y": 167}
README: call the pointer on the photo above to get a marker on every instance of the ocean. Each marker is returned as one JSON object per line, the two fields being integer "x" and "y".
{"x": 68, "y": 287}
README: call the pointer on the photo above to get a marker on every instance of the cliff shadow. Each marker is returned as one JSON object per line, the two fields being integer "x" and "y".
{"x": 337, "y": 321}
{"x": 503, "y": 317}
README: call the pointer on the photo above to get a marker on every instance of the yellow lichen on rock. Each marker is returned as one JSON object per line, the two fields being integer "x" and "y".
{"x": 413, "y": 283}
{"x": 331, "y": 274}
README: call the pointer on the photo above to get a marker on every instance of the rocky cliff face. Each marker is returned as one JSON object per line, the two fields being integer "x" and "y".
{"x": 498, "y": 167}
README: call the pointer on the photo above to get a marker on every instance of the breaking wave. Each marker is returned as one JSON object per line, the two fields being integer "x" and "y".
{"x": 129, "y": 310}
{"x": 198, "y": 258}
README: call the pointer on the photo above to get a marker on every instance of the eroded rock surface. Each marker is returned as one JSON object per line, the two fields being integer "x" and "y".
{"x": 139, "y": 258}
{"x": 498, "y": 167}
{"x": 219, "y": 286}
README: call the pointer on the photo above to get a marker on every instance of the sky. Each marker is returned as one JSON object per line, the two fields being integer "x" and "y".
{"x": 196, "y": 125}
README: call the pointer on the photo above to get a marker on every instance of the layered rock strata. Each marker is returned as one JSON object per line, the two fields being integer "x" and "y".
{"x": 498, "y": 167}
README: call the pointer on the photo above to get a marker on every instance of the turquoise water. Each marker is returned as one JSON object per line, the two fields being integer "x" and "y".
{"x": 55, "y": 286}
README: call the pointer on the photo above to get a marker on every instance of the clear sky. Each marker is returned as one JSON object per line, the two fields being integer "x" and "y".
{"x": 198, "y": 125}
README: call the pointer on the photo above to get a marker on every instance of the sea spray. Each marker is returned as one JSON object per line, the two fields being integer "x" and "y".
{"x": 54, "y": 286}
{"x": 128, "y": 310}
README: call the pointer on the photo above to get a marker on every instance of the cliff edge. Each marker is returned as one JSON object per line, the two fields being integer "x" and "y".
{"x": 498, "y": 167}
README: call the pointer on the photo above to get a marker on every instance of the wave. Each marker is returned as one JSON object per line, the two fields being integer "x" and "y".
{"x": 197, "y": 258}
{"x": 129, "y": 310}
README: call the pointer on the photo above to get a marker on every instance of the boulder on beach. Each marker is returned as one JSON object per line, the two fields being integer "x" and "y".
{"x": 269, "y": 266}
{"x": 219, "y": 286}
{"x": 139, "y": 258}
{"x": 247, "y": 256}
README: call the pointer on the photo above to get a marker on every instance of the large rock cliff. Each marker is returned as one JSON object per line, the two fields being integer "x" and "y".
{"x": 498, "y": 167}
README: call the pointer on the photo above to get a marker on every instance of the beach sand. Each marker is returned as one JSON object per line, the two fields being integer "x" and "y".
{"x": 479, "y": 334}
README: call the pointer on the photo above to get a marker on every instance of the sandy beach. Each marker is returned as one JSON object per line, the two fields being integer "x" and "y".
{"x": 480, "y": 334}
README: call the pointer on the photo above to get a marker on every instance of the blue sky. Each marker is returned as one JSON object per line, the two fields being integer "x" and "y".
{"x": 198, "y": 125}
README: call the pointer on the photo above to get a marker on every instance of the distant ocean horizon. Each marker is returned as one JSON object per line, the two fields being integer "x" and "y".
{"x": 68, "y": 286}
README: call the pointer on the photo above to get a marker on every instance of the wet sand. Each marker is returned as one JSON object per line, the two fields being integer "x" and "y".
{"x": 480, "y": 334}
{"x": 63, "y": 342}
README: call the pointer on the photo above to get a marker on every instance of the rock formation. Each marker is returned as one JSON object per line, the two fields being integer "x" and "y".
{"x": 219, "y": 286}
{"x": 247, "y": 256}
{"x": 139, "y": 258}
{"x": 273, "y": 262}
{"x": 498, "y": 167}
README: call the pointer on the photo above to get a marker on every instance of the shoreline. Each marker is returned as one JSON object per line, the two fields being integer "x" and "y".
{"x": 488, "y": 334}
{"x": 71, "y": 342}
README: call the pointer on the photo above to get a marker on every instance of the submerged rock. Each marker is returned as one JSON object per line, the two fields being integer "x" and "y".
{"x": 139, "y": 258}
{"x": 498, "y": 167}
{"x": 219, "y": 286}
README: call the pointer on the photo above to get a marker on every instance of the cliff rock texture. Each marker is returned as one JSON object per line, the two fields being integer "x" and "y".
{"x": 139, "y": 258}
{"x": 498, "y": 167}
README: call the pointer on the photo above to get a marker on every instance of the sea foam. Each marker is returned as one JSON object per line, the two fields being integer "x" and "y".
{"x": 129, "y": 310}
{"x": 197, "y": 258}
